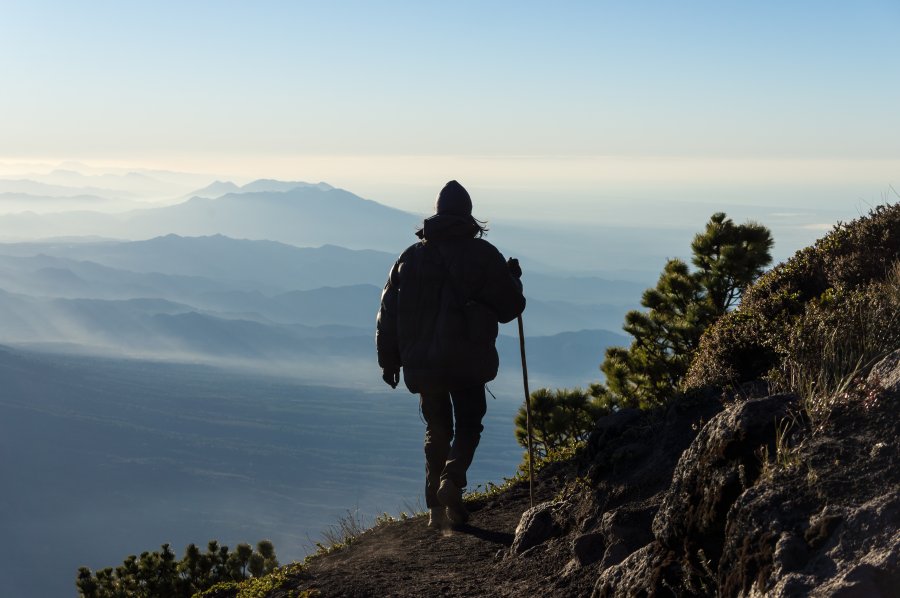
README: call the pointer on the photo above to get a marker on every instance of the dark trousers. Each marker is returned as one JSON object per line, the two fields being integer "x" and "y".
{"x": 448, "y": 455}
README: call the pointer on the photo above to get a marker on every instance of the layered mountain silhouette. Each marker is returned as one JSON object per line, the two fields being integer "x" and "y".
{"x": 163, "y": 329}
{"x": 267, "y": 264}
{"x": 268, "y": 271}
{"x": 261, "y": 279}
{"x": 214, "y": 297}
{"x": 307, "y": 216}
{"x": 220, "y": 188}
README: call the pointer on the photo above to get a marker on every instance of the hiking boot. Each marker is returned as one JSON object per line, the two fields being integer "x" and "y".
{"x": 437, "y": 518}
{"x": 451, "y": 497}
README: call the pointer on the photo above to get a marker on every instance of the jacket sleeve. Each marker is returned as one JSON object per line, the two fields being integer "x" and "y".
{"x": 386, "y": 323}
{"x": 502, "y": 292}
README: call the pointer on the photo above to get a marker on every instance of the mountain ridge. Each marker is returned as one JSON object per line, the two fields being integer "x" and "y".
{"x": 239, "y": 275}
{"x": 310, "y": 215}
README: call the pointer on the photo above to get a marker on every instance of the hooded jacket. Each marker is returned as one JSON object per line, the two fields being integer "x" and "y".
{"x": 441, "y": 305}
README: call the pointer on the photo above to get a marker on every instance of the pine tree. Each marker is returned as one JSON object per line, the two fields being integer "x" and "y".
{"x": 560, "y": 418}
{"x": 267, "y": 550}
{"x": 679, "y": 308}
{"x": 160, "y": 574}
{"x": 729, "y": 258}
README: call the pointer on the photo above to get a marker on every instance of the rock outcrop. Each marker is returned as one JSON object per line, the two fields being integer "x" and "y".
{"x": 820, "y": 516}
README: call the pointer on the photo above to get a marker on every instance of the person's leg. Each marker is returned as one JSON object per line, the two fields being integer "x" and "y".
{"x": 469, "y": 407}
{"x": 438, "y": 413}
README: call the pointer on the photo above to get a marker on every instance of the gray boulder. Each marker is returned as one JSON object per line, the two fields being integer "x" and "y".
{"x": 886, "y": 373}
{"x": 537, "y": 525}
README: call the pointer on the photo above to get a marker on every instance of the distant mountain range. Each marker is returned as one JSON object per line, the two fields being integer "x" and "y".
{"x": 212, "y": 298}
{"x": 134, "y": 184}
{"x": 278, "y": 266}
{"x": 44, "y": 189}
{"x": 160, "y": 329}
{"x": 314, "y": 214}
{"x": 274, "y": 272}
{"x": 306, "y": 216}
{"x": 214, "y": 189}
{"x": 220, "y": 188}
{"x": 263, "y": 280}
{"x": 252, "y": 265}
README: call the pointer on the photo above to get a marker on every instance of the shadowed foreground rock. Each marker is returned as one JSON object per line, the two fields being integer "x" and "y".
{"x": 823, "y": 518}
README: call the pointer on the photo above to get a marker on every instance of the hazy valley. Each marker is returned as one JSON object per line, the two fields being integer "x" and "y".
{"x": 206, "y": 369}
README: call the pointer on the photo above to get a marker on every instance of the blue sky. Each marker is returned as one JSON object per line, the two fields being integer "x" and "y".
{"x": 368, "y": 91}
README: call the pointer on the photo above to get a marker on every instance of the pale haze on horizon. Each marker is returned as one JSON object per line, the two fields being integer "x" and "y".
{"x": 557, "y": 112}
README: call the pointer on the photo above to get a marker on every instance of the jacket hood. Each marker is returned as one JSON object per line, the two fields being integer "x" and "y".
{"x": 447, "y": 226}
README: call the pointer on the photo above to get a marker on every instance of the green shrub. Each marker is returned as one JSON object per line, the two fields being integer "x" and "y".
{"x": 158, "y": 574}
{"x": 560, "y": 418}
{"x": 736, "y": 348}
{"x": 807, "y": 300}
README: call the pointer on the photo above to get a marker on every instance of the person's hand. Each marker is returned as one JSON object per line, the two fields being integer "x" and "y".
{"x": 391, "y": 376}
{"x": 514, "y": 268}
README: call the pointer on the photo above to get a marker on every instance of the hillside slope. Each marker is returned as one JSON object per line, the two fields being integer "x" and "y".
{"x": 775, "y": 473}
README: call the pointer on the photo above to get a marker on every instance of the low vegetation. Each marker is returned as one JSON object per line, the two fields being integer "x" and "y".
{"x": 813, "y": 326}
{"x": 159, "y": 573}
{"x": 258, "y": 587}
{"x": 560, "y": 418}
{"x": 728, "y": 257}
{"x": 813, "y": 320}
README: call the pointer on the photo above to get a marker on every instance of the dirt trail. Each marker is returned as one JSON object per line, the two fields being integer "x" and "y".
{"x": 408, "y": 559}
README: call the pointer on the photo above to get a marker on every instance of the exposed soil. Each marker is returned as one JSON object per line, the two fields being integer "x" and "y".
{"x": 406, "y": 558}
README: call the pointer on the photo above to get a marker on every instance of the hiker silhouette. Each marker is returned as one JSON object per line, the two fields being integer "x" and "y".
{"x": 438, "y": 322}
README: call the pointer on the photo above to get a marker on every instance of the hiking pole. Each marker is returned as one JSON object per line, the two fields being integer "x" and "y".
{"x": 527, "y": 414}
